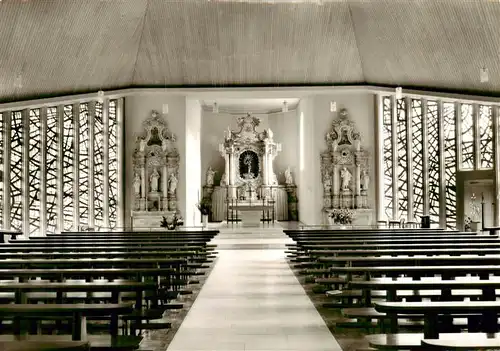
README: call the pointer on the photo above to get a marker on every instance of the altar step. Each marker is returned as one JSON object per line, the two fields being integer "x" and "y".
{"x": 251, "y": 239}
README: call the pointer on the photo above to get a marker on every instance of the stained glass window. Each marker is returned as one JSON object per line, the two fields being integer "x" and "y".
{"x": 402, "y": 166}
{"x": 387, "y": 149}
{"x": 34, "y": 169}
{"x": 433, "y": 159}
{"x": 113, "y": 164}
{"x": 417, "y": 157}
{"x": 98, "y": 166}
{"x": 450, "y": 163}
{"x": 486, "y": 136}
{"x": 16, "y": 170}
{"x": 68, "y": 157}
{"x": 83, "y": 164}
{"x": 51, "y": 172}
{"x": 467, "y": 126}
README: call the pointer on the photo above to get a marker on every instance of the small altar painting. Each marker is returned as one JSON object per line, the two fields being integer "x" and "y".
{"x": 249, "y": 165}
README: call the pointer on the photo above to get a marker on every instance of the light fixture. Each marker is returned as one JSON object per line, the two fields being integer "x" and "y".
{"x": 215, "y": 108}
{"x": 333, "y": 106}
{"x": 483, "y": 75}
{"x": 399, "y": 93}
{"x": 100, "y": 96}
{"x": 165, "y": 109}
{"x": 285, "y": 107}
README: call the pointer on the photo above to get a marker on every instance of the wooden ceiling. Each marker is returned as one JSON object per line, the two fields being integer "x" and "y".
{"x": 59, "y": 47}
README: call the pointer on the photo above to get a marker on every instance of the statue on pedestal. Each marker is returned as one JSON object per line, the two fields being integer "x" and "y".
{"x": 365, "y": 180}
{"x": 153, "y": 179}
{"x": 142, "y": 145}
{"x": 137, "y": 184}
{"x": 210, "y": 176}
{"x": 172, "y": 184}
{"x": 288, "y": 176}
{"x": 327, "y": 183}
{"x": 346, "y": 177}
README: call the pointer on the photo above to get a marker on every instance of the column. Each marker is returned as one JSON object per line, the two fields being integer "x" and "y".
{"x": 409, "y": 160}
{"x": 496, "y": 150}
{"x": 105, "y": 161}
{"x": 164, "y": 179}
{"x": 143, "y": 200}
{"x": 43, "y": 175}
{"x": 226, "y": 167}
{"x": 394, "y": 122}
{"x": 265, "y": 166}
{"x": 357, "y": 185}
{"x": 76, "y": 168}
{"x": 335, "y": 185}
{"x": 379, "y": 159}
{"x": 25, "y": 174}
{"x": 425, "y": 159}
{"x": 442, "y": 173}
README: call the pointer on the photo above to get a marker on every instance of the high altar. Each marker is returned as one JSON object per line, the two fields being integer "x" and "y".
{"x": 249, "y": 183}
{"x": 156, "y": 174}
{"x": 345, "y": 171}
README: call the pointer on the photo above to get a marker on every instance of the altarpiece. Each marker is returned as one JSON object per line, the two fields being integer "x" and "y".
{"x": 345, "y": 172}
{"x": 249, "y": 178}
{"x": 156, "y": 174}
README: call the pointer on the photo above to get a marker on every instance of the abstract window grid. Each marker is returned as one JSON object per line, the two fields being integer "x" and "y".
{"x": 433, "y": 159}
{"x": 98, "y": 159}
{"x": 387, "y": 150}
{"x": 113, "y": 163}
{"x": 417, "y": 157}
{"x": 52, "y": 166}
{"x": 467, "y": 136}
{"x": 485, "y": 121}
{"x": 34, "y": 170}
{"x": 402, "y": 164}
{"x": 2, "y": 185}
{"x": 83, "y": 164}
{"x": 68, "y": 168}
{"x": 450, "y": 163}
{"x": 16, "y": 170}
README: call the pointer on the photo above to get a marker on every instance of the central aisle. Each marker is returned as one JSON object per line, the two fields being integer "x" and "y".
{"x": 252, "y": 301}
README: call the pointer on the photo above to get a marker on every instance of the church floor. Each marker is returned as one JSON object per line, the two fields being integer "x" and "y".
{"x": 253, "y": 301}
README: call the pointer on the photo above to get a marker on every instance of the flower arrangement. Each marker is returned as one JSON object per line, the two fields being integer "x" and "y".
{"x": 171, "y": 225}
{"x": 342, "y": 215}
{"x": 204, "y": 207}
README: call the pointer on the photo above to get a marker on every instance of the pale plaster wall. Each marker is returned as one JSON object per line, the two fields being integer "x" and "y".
{"x": 301, "y": 149}
{"x": 137, "y": 109}
{"x": 192, "y": 215}
{"x": 285, "y": 126}
{"x": 213, "y": 126}
{"x": 317, "y": 122}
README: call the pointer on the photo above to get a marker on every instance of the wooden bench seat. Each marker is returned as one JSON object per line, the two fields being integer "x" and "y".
{"x": 415, "y": 341}
{"x": 44, "y": 346}
{"x": 473, "y": 341}
{"x": 96, "y": 342}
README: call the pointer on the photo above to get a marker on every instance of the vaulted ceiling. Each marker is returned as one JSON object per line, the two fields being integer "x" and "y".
{"x": 56, "y": 47}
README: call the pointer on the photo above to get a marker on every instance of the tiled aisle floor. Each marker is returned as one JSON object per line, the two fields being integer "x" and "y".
{"x": 252, "y": 301}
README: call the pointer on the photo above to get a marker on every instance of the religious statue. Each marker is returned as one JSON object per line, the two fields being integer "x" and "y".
{"x": 345, "y": 176}
{"x": 288, "y": 176}
{"x": 210, "y": 176}
{"x": 223, "y": 180}
{"x": 365, "y": 180}
{"x": 327, "y": 184}
{"x": 153, "y": 179}
{"x": 164, "y": 144}
{"x": 137, "y": 184}
{"x": 172, "y": 184}
{"x": 228, "y": 134}
{"x": 269, "y": 134}
{"x": 142, "y": 145}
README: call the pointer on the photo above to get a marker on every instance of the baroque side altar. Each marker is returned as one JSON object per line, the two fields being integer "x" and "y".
{"x": 249, "y": 181}
{"x": 156, "y": 174}
{"x": 345, "y": 172}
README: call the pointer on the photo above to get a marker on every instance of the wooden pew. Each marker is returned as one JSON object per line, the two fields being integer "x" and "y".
{"x": 43, "y": 345}
{"x": 77, "y": 312}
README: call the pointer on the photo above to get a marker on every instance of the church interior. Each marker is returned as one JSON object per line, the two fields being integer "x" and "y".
{"x": 259, "y": 175}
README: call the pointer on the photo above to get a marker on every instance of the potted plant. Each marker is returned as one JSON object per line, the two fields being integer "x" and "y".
{"x": 342, "y": 216}
{"x": 204, "y": 208}
{"x": 172, "y": 224}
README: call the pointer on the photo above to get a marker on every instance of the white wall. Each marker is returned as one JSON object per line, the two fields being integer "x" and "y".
{"x": 285, "y": 126}
{"x": 213, "y": 126}
{"x": 137, "y": 109}
{"x": 192, "y": 215}
{"x": 317, "y": 122}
